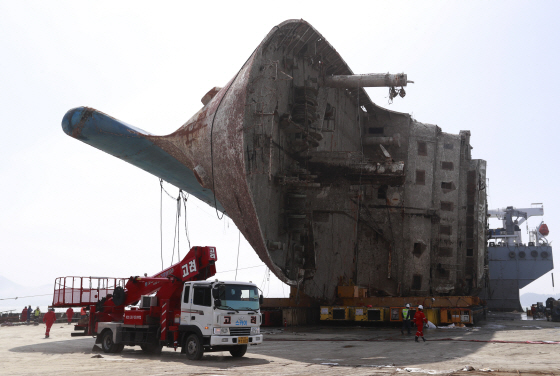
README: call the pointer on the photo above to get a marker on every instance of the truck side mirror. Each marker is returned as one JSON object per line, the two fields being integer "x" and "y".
{"x": 217, "y": 302}
{"x": 261, "y": 299}
{"x": 215, "y": 293}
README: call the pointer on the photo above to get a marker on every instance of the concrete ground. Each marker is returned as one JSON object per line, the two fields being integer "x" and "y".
{"x": 324, "y": 350}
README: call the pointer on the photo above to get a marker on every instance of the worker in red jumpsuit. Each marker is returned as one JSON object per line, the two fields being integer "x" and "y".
{"x": 23, "y": 315}
{"x": 420, "y": 319}
{"x": 69, "y": 314}
{"x": 49, "y": 320}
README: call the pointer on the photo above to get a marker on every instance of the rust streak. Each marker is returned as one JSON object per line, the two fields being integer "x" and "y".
{"x": 87, "y": 114}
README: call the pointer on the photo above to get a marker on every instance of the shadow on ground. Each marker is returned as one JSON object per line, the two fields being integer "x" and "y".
{"x": 378, "y": 346}
{"x": 371, "y": 346}
{"x": 221, "y": 360}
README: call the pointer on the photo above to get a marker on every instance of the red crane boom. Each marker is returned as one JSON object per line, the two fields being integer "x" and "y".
{"x": 108, "y": 297}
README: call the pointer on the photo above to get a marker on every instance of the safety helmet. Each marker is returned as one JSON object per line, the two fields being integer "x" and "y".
{"x": 407, "y": 305}
{"x": 420, "y": 307}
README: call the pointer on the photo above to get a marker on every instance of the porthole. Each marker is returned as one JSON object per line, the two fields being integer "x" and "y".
{"x": 544, "y": 254}
{"x": 522, "y": 254}
{"x": 534, "y": 253}
{"x": 511, "y": 254}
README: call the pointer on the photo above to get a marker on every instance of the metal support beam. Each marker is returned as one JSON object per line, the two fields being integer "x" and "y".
{"x": 366, "y": 80}
{"x": 373, "y": 140}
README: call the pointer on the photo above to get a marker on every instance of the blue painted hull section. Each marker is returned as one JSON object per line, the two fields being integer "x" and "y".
{"x": 132, "y": 145}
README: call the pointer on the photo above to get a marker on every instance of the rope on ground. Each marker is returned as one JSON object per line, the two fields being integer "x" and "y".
{"x": 428, "y": 340}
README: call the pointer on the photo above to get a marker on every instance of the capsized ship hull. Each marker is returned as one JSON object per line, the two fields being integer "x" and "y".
{"x": 326, "y": 186}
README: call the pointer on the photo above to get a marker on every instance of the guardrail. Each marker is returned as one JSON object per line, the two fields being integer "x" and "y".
{"x": 82, "y": 291}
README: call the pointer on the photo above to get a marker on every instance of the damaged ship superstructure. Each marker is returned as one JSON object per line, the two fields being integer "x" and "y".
{"x": 324, "y": 184}
{"x": 433, "y": 225}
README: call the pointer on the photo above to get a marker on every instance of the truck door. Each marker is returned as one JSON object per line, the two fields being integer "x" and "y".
{"x": 186, "y": 305}
{"x": 201, "y": 308}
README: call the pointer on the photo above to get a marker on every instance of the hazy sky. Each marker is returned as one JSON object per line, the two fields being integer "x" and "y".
{"x": 69, "y": 209}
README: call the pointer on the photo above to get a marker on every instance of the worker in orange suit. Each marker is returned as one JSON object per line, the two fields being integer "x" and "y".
{"x": 23, "y": 314}
{"x": 69, "y": 314}
{"x": 49, "y": 318}
{"x": 420, "y": 319}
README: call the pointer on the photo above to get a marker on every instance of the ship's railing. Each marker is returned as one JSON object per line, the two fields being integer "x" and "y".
{"x": 83, "y": 291}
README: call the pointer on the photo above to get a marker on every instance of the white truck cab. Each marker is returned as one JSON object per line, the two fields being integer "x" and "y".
{"x": 219, "y": 316}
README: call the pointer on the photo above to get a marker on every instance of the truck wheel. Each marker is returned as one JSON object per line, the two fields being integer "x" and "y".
{"x": 194, "y": 348}
{"x": 119, "y": 348}
{"x": 239, "y": 351}
{"x": 107, "y": 343}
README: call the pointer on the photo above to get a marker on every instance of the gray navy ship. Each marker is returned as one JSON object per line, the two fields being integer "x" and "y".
{"x": 513, "y": 264}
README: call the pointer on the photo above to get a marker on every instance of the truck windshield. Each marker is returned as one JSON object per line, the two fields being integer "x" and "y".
{"x": 239, "y": 297}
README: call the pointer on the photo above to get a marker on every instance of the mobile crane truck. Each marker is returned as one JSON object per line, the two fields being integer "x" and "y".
{"x": 177, "y": 307}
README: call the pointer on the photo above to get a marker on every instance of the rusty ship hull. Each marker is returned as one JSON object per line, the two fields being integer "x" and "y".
{"x": 326, "y": 186}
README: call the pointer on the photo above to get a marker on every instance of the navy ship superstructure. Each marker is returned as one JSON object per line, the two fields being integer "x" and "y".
{"x": 512, "y": 264}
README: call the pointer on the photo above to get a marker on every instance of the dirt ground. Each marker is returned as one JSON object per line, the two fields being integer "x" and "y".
{"x": 324, "y": 350}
